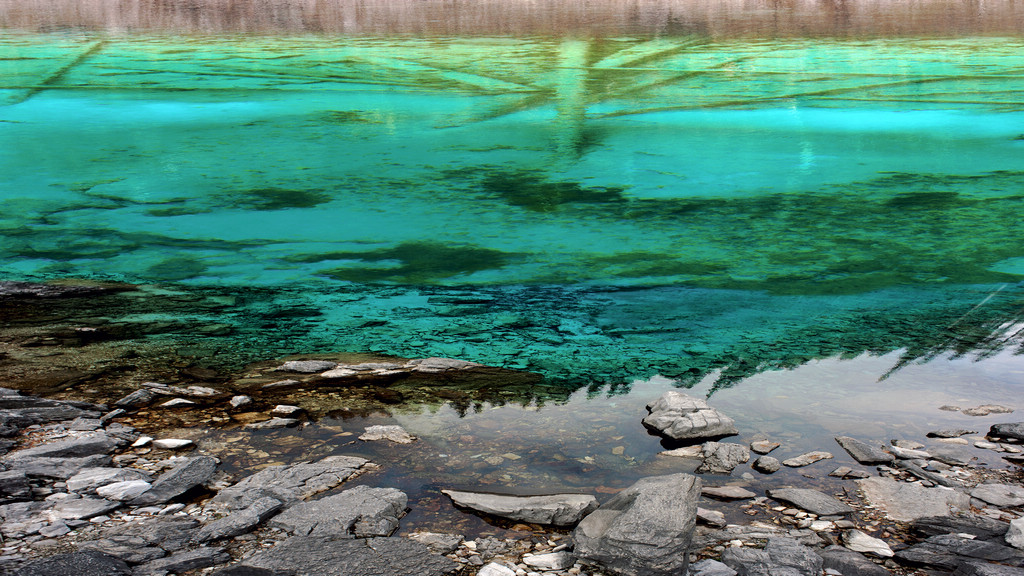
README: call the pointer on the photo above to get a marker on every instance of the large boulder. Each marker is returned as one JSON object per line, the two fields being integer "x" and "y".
{"x": 683, "y": 417}
{"x": 556, "y": 509}
{"x": 645, "y": 530}
{"x": 359, "y": 512}
{"x": 1014, "y": 431}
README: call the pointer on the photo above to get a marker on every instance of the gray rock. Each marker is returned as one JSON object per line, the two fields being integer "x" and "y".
{"x": 780, "y": 557}
{"x": 436, "y": 365}
{"x": 1013, "y": 430}
{"x": 437, "y": 542}
{"x": 850, "y": 563}
{"x": 283, "y": 385}
{"x": 359, "y": 512}
{"x": 556, "y": 509}
{"x": 123, "y": 491}
{"x": 240, "y": 400}
{"x": 986, "y": 409}
{"x": 273, "y": 423}
{"x": 711, "y": 517}
{"x": 143, "y": 541}
{"x": 495, "y": 569}
{"x": 645, "y": 529}
{"x": 239, "y": 522}
{"x": 88, "y": 563}
{"x": 190, "y": 473}
{"x": 1015, "y": 535}
{"x": 863, "y": 452}
{"x": 242, "y": 570}
{"x": 947, "y": 551}
{"x": 90, "y": 444}
{"x": 711, "y": 567}
{"x": 1002, "y": 495}
{"x": 81, "y": 508}
{"x": 85, "y": 424}
{"x": 322, "y": 556}
{"x": 56, "y": 468}
{"x": 202, "y": 557}
{"x": 14, "y": 486}
{"x": 810, "y": 500}
{"x": 950, "y": 433}
{"x": 909, "y": 453}
{"x": 807, "y": 459}
{"x": 141, "y": 397}
{"x": 54, "y": 530}
{"x": 951, "y": 454}
{"x": 766, "y": 465}
{"x": 173, "y": 443}
{"x": 981, "y": 527}
{"x": 289, "y": 483}
{"x": 391, "y": 433}
{"x": 727, "y": 492}
{"x": 89, "y": 479}
{"x": 722, "y": 457}
{"x": 860, "y": 542}
{"x": 550, "y": 562}
{"x": 979, "y": 568}
{"x": 682, "y": 417}
{"x": 763, "y": 446}
{"x": 928, "y": 475}
{"x": 906, "y": 502}
{"x": 306, "y": 366}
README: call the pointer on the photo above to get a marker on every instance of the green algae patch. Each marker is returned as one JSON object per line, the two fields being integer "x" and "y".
{"x": 418, "y": 262}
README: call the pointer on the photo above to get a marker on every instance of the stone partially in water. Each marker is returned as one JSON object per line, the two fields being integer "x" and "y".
{"x": 807, "y": 459}
{"x": 306, "y": 366}
{"x": 359, "y": 512}
{"x": 289, "y": 483}
{"x": 556, "y": 509}
{"x": 1013, "y": 431}
{"x": 391, "y": 433}
{"x": 863, "y": 452}
{"x": 810, "y": 500}
{"x": 644, "y": 530}
{"x": 722, "y": 457}
{"x": 681, "y": 417}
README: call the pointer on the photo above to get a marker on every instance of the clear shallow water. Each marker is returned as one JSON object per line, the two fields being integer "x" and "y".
{"x": 590, "y": 209}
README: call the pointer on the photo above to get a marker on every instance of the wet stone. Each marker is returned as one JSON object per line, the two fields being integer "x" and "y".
{"x": 727, "y": 492}
{"x": 438, "y": 542}
{"x": 766, "y": 465}
{"x": 810, "y": 500}
{"x": 863, "y": 452}
{"x": 289, "y": 483}
{"x": 680, "y": 416}
{"x": 557, "y": 509}
{"x": 722, "y": 457}
{"x": 391, "y": 433}
{"x": 806, "y": 459}
{"x": 763, "y": 446}
{"x": 1014, "y": 431}
{"x": 273, "y": 423}
{"x": 306, "y": 366}
{"x": 950, "y": 433}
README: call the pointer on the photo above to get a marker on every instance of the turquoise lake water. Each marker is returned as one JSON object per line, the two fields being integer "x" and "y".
{"x": 594, "y": 209}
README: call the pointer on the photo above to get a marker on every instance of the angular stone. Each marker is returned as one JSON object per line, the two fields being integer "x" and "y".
{"x": 807, "y": 459}
{"x": 438, "y": 542}
{"x": 722, "y": 457}
{"x": 906, "y": 502}
{"x": 240, "y": 522}
{"x": 850, "y": 563}
{"x": 645, "y": 529}
{"x": 710, "y": 567}
{"x": 860, "y": 542}
{"x": 681, "y": 417}
{"x": 273, "y": 423}
{"x": 57, "y": 468}
{"x": 863, "y": 452}
{"x": 85, "y": 424}
{"x": 239, "y": 401}
{"x": 391, "y": 433}
{"x": 91, "y": 444}
{"x": 495, "y": 569}
{"x": 141, "y": 397}
{"x": 946, "y": 552}
{"x": 986, "y": 409}
{"x": 979, "y": 568}
{"x": 283, "y": 385}
{"x": 92, "y": 478}
{"x": 951, "y": 454}
{"x": 950, "y": 433}
{"x": 810, "y": 500}
{"x": 556, "y": 509}
{"x": 14, "y": 485}
{"x": 766, "y": 465}
{"x": 190, "y": 473}
{"x": 145, "y": 540}
{"x": 178, "y": 403}
{"x": 290, "y": 483}
{"x": 1013, "y": 431}
{"x": 982, "y": 527}
{"x": 242, "y": 570}
{"x": 763, "y": 446}
{"x": 550, "y": 562}
{"x": 910, "y": 454}
{"x": 1002, "y": 495}
{"x": 780, "y": 557}
{"x": 1015, "y": 535}
{"x": 436, "y": 365}
{"x": 711, "y": 517}
{"x": 123, "y": 491}
{"x": 182, "y": 561}
{"x": 324, "y": 556}
{"x": 285, "y": 410}
{"x": 81, "y": 508}
{"x": 88, "y": 563}
{"x": 306, "y": 366}
{"x": 727, "y": 492}
{"x": 359, "y": 512}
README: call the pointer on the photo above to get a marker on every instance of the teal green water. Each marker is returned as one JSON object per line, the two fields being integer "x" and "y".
{"x": 591, "y": 209}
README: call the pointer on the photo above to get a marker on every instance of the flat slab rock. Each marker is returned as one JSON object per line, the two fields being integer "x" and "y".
{"x": 289, "y": 483}
{"x": 810, "y": 500}
{"x": 88, "y": 563}
{"x": 727, "y": 492}
{"x": 324, "y": 556}
{"x": 184, "y": 476}
{"x": 1002, "y": 495}
{"x": 682, "y": 417}
{"x": 906, "y": 502}
{"x": 357, "y": 512}
{"x": 780, "y": 557}
{"x": 807, "y": 459}
{"x": 556, "y": 509}
{"x": 863, "y": 452}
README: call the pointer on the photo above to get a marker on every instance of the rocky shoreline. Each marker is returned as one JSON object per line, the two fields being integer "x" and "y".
{"x": 84, "y": 492}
